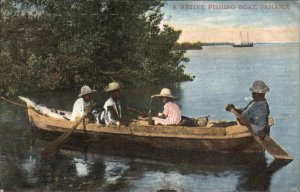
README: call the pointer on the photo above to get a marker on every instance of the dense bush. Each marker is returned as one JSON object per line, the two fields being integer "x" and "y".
{"x": 57, "y": 45}
{"x": 188, "y": 46}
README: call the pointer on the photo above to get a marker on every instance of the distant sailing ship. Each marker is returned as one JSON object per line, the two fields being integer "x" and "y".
{"x": 244, "y": 44}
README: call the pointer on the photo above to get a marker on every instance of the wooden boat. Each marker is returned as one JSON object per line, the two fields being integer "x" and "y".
{"x": 242, "y": 43}
{"x": 216, "y": 136}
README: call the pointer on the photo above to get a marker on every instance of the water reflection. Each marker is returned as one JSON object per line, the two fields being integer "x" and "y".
{"x": 114, "y": 171}
{"x": 107, "y": 168}
{"x": 168, "y": 170}
{"x": 250, "y": 172}
{"x": 82, "y": 167}
{"x": 85, "y": 165}
{"x": 258, "y": 176}
{"x": 14, "y": 144}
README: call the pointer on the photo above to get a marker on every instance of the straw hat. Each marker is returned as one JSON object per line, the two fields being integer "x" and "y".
{"x": 259, "y": 87}
{"x": 86, "y": 90}
{"x": 112, "y": 86}
{"x": 165, "y": 92}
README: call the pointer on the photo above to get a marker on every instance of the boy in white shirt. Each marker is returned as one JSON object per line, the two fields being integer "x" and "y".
{"x": 82, "y": 103}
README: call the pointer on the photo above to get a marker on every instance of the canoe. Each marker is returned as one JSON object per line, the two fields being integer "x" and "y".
{"x": 216, "y": 136}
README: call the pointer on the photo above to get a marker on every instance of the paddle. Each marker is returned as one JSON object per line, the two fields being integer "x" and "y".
{"x": 186, "y": 121}
{"x": 149, "y": 117}
{"x": 139, "y": 112}
{"x": 20, "y": 105}
{"x": 52, "y": 148}
{"x": 149, "y": 112}
{"x": 269, "y": 144}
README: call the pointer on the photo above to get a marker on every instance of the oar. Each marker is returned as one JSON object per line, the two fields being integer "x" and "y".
{"x": 52, "y": 148}
{"x": 268, "y": 143}
{"x": 149, "y": 112}
{"x": 137, "y": 111}
{"x": 149, "y": 117}
{"x": 18, "y": 104}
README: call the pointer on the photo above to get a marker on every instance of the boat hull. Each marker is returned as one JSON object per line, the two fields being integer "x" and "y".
{"x": 243, "y": 45}
{"x": 232, "y": 138}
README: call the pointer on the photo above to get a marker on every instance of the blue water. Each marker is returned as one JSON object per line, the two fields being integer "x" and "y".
{"x": 222, "y": 75}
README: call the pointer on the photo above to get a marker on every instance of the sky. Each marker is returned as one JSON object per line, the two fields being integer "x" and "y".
{"x": 227, "y": 21}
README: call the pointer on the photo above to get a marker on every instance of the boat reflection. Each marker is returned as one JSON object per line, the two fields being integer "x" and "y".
{"x": 86, "y": 166}
{"x": 258, "y": 176}
{"x": 141, "y": 164}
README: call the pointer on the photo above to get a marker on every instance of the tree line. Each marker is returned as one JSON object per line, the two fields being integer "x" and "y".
{"x": 61, "y": 45}
{"x": 188, "y": 46}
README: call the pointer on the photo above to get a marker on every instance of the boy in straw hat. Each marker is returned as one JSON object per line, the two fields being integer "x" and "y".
{"x": 256, "y": 113}
{"x": 85, "y": 100}
{"x": 112, "y": 107}
{"x": 172, "y": 113}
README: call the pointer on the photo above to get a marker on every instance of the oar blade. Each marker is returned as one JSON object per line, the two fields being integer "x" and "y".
{"x": 269, "y": 144}
{"x": 275, "y": 149}
{"x": 51, "y": 149}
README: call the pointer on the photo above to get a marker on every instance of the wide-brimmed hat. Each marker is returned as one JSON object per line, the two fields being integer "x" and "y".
{"x": 259, "y": 87}
{"x": 165, "y": 92}
{"x": 86, "y": 90}
{"x": 112, "y": 87}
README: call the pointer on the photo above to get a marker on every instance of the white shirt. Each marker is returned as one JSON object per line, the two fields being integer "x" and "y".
{"x": 106, "y": 116}
{"x": 78, "y": 108}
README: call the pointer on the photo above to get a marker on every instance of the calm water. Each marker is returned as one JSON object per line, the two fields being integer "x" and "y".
{"x": 222, "y": 75}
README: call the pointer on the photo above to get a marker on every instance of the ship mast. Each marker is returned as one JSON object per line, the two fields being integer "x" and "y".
{"x": 241, "y": 37}
{"x": 247, "y": 37}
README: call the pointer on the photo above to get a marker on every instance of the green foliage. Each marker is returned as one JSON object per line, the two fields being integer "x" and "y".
{"x": 56, "y": 45}
{"x": 188, "y": 46}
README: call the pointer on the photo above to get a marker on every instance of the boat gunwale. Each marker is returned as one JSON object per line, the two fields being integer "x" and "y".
{"x": 131, "y": 130}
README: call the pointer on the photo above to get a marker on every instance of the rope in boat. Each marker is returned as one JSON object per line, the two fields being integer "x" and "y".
{"x": 12, "y": 102}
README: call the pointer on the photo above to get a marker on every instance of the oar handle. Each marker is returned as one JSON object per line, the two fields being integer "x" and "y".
{"x": 238, "y": 115}
{"x": 235, "y": 113}
{"x": 90, "y": 108}
{"x": 137, "y": 111}
{"x": 50, "y": 150}
{"x": 20, "y": 105}
{"x": 268, "y": 144}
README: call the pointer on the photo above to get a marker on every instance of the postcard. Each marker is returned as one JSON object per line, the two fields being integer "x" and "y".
{"x": 149, "y": 95}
